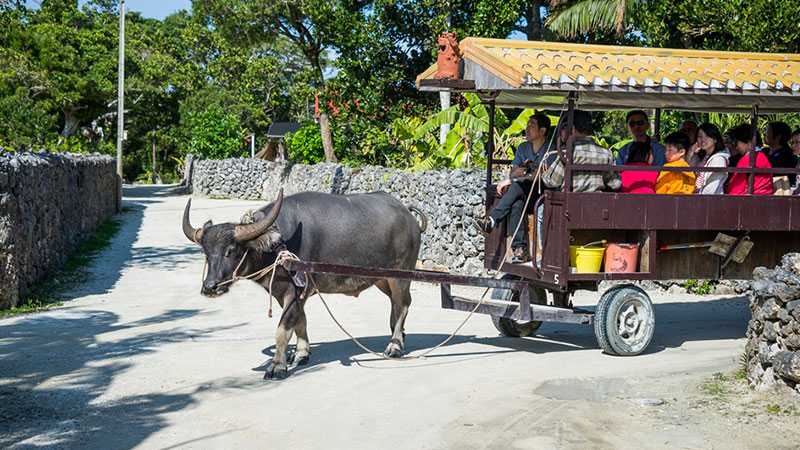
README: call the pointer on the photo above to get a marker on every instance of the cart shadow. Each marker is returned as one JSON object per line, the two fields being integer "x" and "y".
{"x": 347, "y": 353}
{"x": 676, "y": 323}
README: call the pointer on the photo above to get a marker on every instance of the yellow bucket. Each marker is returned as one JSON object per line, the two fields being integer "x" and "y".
{"x": 589, "y": 259}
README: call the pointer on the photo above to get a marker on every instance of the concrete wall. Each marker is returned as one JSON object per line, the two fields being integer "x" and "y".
{"x": 451, "y": 199}
{"x": 48, "y": 205}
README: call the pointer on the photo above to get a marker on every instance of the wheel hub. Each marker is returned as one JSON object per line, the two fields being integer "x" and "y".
{"x": 629, "y": 322}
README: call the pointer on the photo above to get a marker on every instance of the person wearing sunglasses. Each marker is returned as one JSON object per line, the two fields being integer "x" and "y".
{"x": 639, "y": 126}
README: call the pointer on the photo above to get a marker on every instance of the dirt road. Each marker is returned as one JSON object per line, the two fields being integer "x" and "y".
{"x": 141, "y": 359}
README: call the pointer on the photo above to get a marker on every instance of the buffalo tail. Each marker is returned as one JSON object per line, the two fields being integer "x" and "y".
{"x": 423, "y": 219}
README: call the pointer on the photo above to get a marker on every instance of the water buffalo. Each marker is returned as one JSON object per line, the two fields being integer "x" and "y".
{"x": 370, "y": 230}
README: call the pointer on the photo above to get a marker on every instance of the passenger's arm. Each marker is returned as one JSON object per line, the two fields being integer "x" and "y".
{"x": 611, "y": 179}
{"x": 715, "y": 180}
{"x": 517, "y": 171}
{"x": 553, "y": 177}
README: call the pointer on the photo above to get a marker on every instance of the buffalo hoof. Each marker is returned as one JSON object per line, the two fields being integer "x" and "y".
{"x": 393, "y": 351}
{"x": 276, "y": 371}
{"x": 301, "y": 360}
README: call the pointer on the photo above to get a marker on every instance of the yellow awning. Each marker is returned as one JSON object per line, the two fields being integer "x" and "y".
{"x": 610, "y": 77}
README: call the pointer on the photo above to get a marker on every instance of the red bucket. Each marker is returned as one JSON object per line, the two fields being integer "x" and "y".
{"x": 621, "y": 258}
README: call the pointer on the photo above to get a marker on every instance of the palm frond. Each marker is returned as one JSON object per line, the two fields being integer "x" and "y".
{"x": 573, "y": 18}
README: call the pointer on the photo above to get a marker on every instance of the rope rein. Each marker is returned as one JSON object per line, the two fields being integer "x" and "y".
{"x": 285, "y": 255}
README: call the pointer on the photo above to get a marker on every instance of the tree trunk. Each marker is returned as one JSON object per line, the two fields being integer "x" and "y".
{"x": 154, "y": 176}
{"x": 70, "y": 121}
{"x": 327, "y": 138}
{"x": 533, "y": 18}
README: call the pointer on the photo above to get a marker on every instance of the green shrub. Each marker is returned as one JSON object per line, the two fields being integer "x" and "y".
{"x": 215, "y": 134}
{"x": 305, "y": 145}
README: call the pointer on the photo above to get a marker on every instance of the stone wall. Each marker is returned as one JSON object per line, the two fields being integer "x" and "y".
{"x": 773, "y": 336}
{"x": 451, "y": 199}
{"x": 48, "y": 205}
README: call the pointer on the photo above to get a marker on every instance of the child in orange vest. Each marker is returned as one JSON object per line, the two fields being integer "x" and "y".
{"x": 677, "y": 145}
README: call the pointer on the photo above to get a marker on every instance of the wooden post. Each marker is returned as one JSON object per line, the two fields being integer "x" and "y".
{"x": 490, "y": 147}
{"x": 752, "y": 176}
{"x": 657, "y": 125}
{"x": 570, "y": 124}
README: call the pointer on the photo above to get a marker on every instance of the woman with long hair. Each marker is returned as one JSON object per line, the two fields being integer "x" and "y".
{"x": 710, "y": 141}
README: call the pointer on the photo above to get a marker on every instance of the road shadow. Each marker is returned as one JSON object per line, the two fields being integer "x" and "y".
{"x": 71, "y": 349}
{"x": 108, "y": 265}
{"x": 153, "y": 190}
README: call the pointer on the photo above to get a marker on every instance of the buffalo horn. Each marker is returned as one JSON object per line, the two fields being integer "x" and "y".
{"x": 193, "y": 234}
{"x": 244, "y": 233}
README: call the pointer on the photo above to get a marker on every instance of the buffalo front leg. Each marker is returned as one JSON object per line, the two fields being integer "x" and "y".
{"x": 303, "y": 349}
{"x": 401, "y": 300}
{"x": 278, "y": 367}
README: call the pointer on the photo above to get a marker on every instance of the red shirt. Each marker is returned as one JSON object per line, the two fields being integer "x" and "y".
{"x": 762, "y": 184}
{"x": 643, "y": 182}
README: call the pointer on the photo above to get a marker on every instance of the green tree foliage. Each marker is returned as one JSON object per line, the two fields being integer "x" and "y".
{"x": 741, "y": 25}
{"x": 201, "y": 80}
{"x": 215, "y": 133}
{"x": 305, "y": 145}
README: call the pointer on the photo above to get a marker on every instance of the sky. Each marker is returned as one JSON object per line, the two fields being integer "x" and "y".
{"x": 157, "y": 9}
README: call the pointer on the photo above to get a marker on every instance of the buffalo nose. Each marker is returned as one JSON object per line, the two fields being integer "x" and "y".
{"x": 208, "y": 287}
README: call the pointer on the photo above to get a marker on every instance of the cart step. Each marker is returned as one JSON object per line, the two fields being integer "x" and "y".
{"x": 512, "y": 310}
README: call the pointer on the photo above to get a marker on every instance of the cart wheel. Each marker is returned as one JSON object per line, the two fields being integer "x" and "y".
{"x": 624, "y": 321}
{"x": 510, "y": 327}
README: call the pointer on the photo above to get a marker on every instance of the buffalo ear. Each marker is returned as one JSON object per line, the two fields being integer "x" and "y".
{"x": 267, "y": 242}
{"x": 207, "y": 224}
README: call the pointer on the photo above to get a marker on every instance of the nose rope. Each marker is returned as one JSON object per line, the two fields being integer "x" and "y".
{"x": 253, "y": 276}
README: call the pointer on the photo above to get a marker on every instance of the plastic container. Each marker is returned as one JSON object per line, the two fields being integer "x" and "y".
{"x": 621, "y": 258}
{"x": 589, "y": 259}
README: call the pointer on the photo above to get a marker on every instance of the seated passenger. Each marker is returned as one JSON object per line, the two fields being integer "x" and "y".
{"x": 737, "y": 185}
{"x": 585, "y": 151}
{"x": 710, "y": 140}
{"x": 780, "y": 154}
{"x": 676, "y": 182}
{"x": 697, "y": 155}
{"x": 639, "y": 126}
{"x": 794, "y": 143}
{"x": 639, "y": 182}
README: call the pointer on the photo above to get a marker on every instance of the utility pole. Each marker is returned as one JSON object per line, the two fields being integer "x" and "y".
{"x": 121, "y": 88}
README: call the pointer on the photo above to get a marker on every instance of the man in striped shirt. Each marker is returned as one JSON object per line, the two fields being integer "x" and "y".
{"x": 585, "y": 151}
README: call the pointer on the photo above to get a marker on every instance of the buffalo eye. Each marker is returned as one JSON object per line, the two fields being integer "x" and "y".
{"x": 228, "y": 251}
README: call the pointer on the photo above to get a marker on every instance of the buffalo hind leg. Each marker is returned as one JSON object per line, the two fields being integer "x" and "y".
{"x": 278, "y": 367}
{"x": 401, "y": 300}
{"x": 383, "y": 285}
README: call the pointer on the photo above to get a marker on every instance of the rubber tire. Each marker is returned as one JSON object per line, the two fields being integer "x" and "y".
{"x": 512, "y": 328}
{"x": 605, "y": 320}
